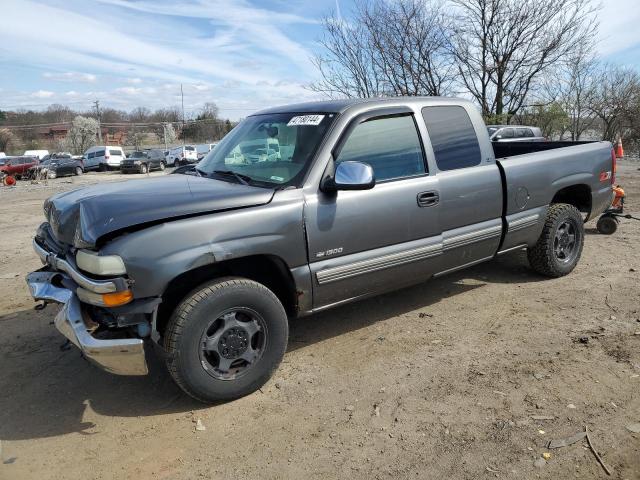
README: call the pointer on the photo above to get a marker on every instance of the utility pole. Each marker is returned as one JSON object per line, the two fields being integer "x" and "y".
{"x": 182, "y": 96}
{"x": 97, "y": 105}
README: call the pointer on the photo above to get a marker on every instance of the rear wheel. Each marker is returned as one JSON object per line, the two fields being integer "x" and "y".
{"x": 226, "y": 339}
{"x": 559, "y": 247}
{"x": 176, "y": 162}
{"x": 607, "y": 224}
{"x": 103, "y": 167}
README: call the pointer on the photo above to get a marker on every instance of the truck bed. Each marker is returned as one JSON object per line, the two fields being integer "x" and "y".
{"x": 511, "y": 149}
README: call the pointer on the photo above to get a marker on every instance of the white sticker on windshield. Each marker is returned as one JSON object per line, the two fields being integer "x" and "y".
{"x": 301, "y": 120}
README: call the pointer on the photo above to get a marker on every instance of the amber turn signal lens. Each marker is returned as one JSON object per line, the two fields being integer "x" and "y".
{"x": 116, "y": 299}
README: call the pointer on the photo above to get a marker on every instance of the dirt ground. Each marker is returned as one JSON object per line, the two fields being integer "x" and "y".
{"x": 441, "y": 380}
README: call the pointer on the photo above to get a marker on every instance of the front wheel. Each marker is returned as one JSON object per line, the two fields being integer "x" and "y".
{"x": 79, "y": 171}
{"x": 162, "y": 166}
{"x": 226, "y": 339}
{"x": 558, "y": 250}
{"x": 143, "y": 168}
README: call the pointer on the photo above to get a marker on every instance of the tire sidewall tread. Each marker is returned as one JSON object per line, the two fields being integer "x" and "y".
{"x": 541, "y": 256}
{"x": 186, "y": 326}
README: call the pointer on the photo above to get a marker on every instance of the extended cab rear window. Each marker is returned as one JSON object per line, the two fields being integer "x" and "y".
{"x": 454, "y": 140}
{"x": 115, "y": 152}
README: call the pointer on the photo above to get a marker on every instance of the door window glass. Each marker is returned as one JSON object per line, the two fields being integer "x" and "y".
{"x": 390, "y": 145}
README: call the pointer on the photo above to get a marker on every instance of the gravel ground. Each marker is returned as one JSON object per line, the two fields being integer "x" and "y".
{"x": 452, "y": 378}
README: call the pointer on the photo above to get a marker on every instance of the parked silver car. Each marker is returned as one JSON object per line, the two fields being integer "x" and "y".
{"x": 514, "y": 133}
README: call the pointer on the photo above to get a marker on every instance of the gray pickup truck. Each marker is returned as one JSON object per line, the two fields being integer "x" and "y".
{"x": 363, "y": 196}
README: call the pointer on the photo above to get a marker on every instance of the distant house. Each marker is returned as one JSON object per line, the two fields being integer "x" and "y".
{"x": 110, "y": 136}
{"x": 56, "y": 132}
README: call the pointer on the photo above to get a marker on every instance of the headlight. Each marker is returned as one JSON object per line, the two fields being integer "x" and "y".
{"x": 100, "y": 264}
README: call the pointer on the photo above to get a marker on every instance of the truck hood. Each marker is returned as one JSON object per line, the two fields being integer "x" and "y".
{"x": 86, "y": 214}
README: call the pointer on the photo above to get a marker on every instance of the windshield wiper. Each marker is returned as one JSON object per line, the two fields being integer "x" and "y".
{"x": 244, "y": 179}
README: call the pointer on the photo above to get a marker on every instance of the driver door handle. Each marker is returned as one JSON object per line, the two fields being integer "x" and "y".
{"x": 428, "y": 199}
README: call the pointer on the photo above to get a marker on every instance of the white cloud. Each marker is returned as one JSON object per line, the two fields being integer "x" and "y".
{"x": 228, "y": 51}
{"x": 128, "y": 90}
{"x": 100, "y": 44}
{"x": 71, "y": 77}
{"x": 132, "y": 91}
{"x": 244, "y": 23}
{"x": 619, "y": 20}
{"x": 42, "y": 94}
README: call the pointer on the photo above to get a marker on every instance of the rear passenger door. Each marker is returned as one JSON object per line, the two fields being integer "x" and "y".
{"x": 363, "y": 242}
{"x": 470, "y": 187}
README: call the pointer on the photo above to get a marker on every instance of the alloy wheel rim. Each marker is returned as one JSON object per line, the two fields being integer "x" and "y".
{"x": 565, "y": 241}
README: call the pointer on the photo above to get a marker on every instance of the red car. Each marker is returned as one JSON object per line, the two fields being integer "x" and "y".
{"x": 17, "y": 166}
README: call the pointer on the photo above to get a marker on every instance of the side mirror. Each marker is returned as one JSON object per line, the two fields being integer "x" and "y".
{"x": 350, "y": 175}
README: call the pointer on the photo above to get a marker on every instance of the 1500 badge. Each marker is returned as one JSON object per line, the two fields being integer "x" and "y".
{"x": 326, "y": 253}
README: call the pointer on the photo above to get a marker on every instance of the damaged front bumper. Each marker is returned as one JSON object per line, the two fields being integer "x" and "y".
{"x": 125, "y": 356}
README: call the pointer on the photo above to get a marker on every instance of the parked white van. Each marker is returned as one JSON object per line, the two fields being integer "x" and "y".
{"x": 204, "y": 148}
{"x": 36, "y": 153}
{"x": 103, "y": 157}
{"x": 182, "y": 155}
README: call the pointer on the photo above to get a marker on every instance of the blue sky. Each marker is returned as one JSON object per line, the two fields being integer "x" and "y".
{"x": 242, "y": 54}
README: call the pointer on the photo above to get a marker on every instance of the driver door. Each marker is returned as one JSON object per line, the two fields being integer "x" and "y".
{"x": 369, "y": 241}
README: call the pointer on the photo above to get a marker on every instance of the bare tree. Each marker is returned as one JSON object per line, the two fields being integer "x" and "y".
{"x": 139, "y": 114}
{"x": 411, "y": 42}
{"x": 347, "y": 65}
{"x": 616, "y": 101}
{"x": 502, "y": 47}
{"x": 389, "y": 48}
{"x": 572, "y": 85}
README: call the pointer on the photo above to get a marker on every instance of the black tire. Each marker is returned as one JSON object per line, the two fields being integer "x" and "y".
{"x": 607, "y": 225}
{"x": 79, "y": 171}
{"x": 188, "y": 331}
{"x": 554, "y": 254}
{"x": 176, "y": 162}
{"x": 103, "y": 167}
{"x": 162, "y": 166}
{"x": 143, "y": 168}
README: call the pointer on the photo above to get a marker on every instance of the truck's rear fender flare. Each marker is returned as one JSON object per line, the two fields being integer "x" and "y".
{"x": 574, "y": 190}
{"x": 270, "y": 270}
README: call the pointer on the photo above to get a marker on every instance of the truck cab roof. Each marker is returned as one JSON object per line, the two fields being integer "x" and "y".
{"x": 342, "y": 105}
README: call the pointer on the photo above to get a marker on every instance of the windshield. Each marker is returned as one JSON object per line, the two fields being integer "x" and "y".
{"x": 270, "y": 150}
